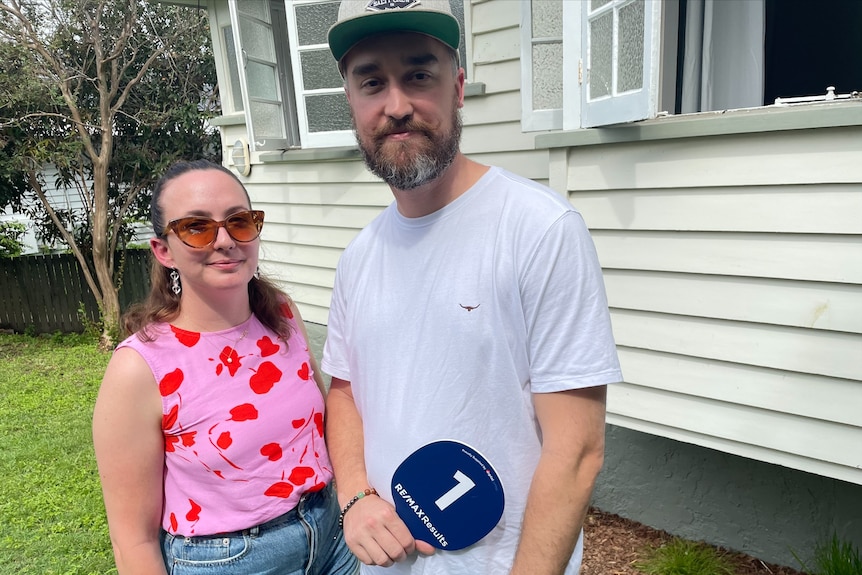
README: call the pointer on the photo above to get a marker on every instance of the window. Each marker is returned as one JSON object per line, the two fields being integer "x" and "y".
{"x": 233, "y": 69}
{"x": 292, "y": 92}
{"x": 263, "y": 63}
{"x": 324, "y": 117}
{"x": 626, "y": 60}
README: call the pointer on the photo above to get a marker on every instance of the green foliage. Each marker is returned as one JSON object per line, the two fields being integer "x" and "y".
{"x": 51, "y": 509}
{"x": 109, "y": 93}
{"x": 834, "y": 557}
{"x": 10, "y": 239}
{"x": 681, "y": 557}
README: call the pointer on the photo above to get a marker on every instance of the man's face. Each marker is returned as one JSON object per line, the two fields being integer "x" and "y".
{"x": 405, "y": 96}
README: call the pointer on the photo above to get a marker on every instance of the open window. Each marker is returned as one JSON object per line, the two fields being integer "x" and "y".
{"x": 263, "y": 65}
{"x": 637, "y": 58}
{"x": 291, "y": 91}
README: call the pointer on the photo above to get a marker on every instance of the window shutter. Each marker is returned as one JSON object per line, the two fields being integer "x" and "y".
{"x": 621, "y": 43}
{"x": 262, "y": 66}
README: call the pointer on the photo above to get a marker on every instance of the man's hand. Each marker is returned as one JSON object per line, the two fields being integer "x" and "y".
{"x": 377, "y": 536}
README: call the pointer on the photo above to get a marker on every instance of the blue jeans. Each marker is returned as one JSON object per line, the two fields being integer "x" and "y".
{"x": 304, "y": 541}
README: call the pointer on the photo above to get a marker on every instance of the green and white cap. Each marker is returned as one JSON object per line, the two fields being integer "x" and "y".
{"x": 359, "y": 19}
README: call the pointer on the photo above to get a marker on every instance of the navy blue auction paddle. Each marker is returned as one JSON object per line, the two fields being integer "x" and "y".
{"x": 448, "y": 494}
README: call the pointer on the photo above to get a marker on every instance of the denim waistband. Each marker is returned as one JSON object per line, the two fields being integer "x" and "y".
{"x": 307, "y": 500}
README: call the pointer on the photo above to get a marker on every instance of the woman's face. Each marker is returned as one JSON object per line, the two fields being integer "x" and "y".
{"x": 226, "y": 263}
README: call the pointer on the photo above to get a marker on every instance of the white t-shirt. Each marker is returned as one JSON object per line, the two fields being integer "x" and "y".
{"x": 446, "y": 324}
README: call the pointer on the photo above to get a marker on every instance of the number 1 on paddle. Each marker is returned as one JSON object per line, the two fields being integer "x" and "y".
{"x": 464, "y": 485}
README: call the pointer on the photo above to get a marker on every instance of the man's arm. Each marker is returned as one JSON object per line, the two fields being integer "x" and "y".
{"x": 372, "y": 528}
{"x": 573, "y": 431}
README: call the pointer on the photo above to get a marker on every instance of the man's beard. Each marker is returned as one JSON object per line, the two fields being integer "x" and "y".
{"x": 409, "y": 164}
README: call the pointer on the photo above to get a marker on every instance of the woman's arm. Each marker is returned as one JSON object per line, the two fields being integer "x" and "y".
{"x": 130, "y": 451}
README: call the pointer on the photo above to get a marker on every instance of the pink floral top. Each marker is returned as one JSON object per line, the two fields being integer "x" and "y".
{"x": 243, "y": 425}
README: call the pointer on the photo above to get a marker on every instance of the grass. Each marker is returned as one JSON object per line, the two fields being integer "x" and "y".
{"x": 681, "y": 557}
{"x": 835, "y": 557}
{"x": 51, "y": 508}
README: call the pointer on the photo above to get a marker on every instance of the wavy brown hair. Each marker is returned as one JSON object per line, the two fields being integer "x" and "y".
{"x": 267, "y": 301}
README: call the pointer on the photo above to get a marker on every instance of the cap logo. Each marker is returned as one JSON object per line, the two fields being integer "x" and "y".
{"x": 381, "y": 5}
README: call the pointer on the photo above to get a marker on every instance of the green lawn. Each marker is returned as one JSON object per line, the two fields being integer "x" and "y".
{"x": 51, "y": 512}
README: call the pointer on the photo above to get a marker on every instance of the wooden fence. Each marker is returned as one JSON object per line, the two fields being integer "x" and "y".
{"x": 44, "y": 293}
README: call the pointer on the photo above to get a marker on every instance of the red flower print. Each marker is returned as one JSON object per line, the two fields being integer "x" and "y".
{"x": 187, "y": 338}
{"x": 188, "y": 438}
{"x": 271, "y": 451}
{"x": 224, "y": 440}
{"x": 316, "y": 487}
{"x": 297, "y": 423}
{"x": 280, "y": 489}
{"x": 170, "y": 441}
{"x": 173, "y": 522}
{"x": 243, "y": 412}
{"x": 195, "y": 512}
{"x": 171, "y": 382}
{"x": 230, "y": 358}
{"x": 299, "y": 475}
{"x": 267, "y": 346}
{"x": 303, "y": 372}
{"x": 267, "y": 376}
{"x": 169, "y": 419}
{"x": 318, "y": 421}
{"x": 286, "y": 311}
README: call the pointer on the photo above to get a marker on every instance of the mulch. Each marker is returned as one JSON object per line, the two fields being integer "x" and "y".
{"x": 613, "y": 544}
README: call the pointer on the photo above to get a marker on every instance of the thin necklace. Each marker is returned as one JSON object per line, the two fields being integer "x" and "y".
{"x": 228, "y": 356}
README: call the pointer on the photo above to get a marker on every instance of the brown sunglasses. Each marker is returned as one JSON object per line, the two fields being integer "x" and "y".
{"x": 199, "y": 232}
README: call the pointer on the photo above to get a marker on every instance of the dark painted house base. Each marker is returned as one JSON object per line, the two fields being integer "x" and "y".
{"x": 764, "y": 510}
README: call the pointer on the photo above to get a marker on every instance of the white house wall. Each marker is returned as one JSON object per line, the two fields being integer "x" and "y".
{"x": 733, "y": 266}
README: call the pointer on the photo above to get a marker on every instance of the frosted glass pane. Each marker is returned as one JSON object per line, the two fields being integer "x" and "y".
{"x": 601, "y": 55}
{"x": 327, "y": 112}
{"x": 319, "y": 70}
{"x": 596, "y": 4}
{"x": 267, "y": 120}
{"x": 257, "y": 40}
{"x": 547, "y": 76}
{"x": 631, "y": 56}
{"x": 233, "y": 68}
{"x": 255, "y": 8}
{"x": 262, "y": 81}
{"x": 547, "y": 16}
{"x": 313, "y": 22}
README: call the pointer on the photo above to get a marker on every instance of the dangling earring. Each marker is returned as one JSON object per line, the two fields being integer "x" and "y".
{"x": 257, "y": 273}
{"x": 175, "y": 282}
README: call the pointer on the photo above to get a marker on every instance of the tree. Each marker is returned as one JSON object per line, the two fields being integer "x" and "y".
{"x": 10, "y": 239}
{"x": 110, "y": 92}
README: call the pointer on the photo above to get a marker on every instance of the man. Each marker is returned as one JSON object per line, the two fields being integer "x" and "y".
{"x": 471, "y": 309}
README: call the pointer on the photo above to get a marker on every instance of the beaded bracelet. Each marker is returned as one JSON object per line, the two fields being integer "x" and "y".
{"x": 360, "y": 495}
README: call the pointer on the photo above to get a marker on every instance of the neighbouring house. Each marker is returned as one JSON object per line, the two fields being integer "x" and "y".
{"x": 61, "y": 199}
{"x": 715, "y": 151}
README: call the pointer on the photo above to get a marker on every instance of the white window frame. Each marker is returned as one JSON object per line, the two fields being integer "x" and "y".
{"x": 285, "y": 97}
{"x": 533, "y": 120}
{"x": 310, "y": 139}
{"x": 578, "y": 110}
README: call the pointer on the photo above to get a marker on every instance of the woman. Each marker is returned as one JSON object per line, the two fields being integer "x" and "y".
{"x": 208, "y": 427}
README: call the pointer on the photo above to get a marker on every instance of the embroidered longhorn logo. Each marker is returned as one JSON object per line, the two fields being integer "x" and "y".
{"x": 469, "y": 307}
